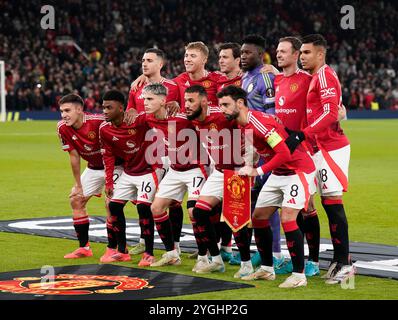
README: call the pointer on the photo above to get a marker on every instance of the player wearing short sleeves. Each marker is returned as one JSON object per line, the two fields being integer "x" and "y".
{"x": 186, "y": 173}
{"x": 79, "y": 135}
{"x": 139, "y": 180}
{"x": 218, "y": 136}
{"x": 323, "y": 102}
{"x": 195, "y": 59}
{"x": 152, "y": 63}
{"x": 286, "y": 188}
{"x": 291, "y": 88}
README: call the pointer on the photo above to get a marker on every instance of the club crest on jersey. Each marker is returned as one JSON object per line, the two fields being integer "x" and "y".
{"x": 294, "y": 87}
{"x": 132, "y": 132}
{"x": 73, "y": 285}
{"x": 213, "y": 126}
{"x": 281, "y": 101}
{"x": 206, "y": 84}
{"x": 88, "y": 148}
{"x": 250, "y": 87}
{"x": 91, "y": 135}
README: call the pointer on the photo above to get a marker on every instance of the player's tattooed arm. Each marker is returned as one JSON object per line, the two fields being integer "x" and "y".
{"x": 138, "y": 82}
{"x": 77, "y": 190}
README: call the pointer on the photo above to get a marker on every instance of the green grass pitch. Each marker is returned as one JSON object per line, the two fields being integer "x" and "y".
{"x": 35, "y": 180}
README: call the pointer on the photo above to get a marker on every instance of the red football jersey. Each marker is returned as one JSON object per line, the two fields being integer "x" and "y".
{"x": 291, "y": 102}
{"x": 323, "y": 101}
{"x": 180, "y": 152}
{"x": 267, "y": 133}
{"x": 84, "y": 140}
{"x": 223, "y": 81}
{"x": 136, "y": 99}
{"x": 221, "y": 138}
{"x": 125, "y": 142}
{"x": 209, "y": 82}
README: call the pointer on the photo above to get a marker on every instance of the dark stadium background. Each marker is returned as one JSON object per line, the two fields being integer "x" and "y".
{"x": 114, "y": 34}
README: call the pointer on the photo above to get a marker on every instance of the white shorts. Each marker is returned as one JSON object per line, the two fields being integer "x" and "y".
{"x": 176, "y": 183}
{"x": 214, "y": 185}
{"x": 140, "y": 189}
{"x": 93, "y": 181}
{"x": 286, "y": 191}
{"x": 332, "y": 171}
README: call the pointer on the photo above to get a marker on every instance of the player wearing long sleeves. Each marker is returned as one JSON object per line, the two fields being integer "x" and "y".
{"x": 286, "y": 188}
{"x": 332, "y": 160}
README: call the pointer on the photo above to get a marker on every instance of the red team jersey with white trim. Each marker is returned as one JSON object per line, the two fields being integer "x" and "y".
{"x": 209, "y": 82}
{"x": 291, "y": 102}
{"x": 323, "y": 101}
{"x": 178, "y": 151}
{"x": 214, "y": 123}
{"x": 84, "y": 140}
{"x": 224, "y": 81}
{"x": 136, "y": 100}
{"x": 267, "y": 127}
{"x": 125, "y": 142}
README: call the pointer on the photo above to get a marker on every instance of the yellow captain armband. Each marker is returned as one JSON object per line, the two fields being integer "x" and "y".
{"x": 273, "y": 139}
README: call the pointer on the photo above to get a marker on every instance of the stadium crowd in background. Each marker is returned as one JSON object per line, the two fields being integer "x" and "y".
{"x": 115, "y": 34}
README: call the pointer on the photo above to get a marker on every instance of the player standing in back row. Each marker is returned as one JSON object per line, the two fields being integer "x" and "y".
{"x": 332, "y": 161}
{"x": 291, "y": 88}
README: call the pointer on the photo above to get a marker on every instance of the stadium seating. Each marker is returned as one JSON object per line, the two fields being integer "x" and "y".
{"x": 114, "y": 35}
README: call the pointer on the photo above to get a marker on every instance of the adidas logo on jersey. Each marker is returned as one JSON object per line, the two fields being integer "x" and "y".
{"x": 324, "y": 187}
{"x": 187, "y": 84}
{"x": 74, "y": 137}
{"x": 115, "y": 139}
{"x": 292, "y": 201}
